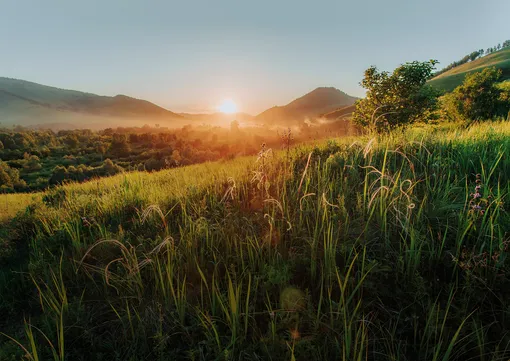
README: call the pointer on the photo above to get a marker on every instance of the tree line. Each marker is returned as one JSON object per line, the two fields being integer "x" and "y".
{"x": 32, "y": 160}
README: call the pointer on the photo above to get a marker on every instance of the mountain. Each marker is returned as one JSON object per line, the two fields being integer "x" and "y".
{"x": 319, "y": 101}
{"x": 454, "y": 77}
{"x": 29, "y": 104}
{"x": 339, "y": 114}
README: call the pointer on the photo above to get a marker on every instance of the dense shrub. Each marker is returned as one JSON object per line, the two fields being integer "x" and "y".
{"x": 397, "y": 99}
{"x": 479, "y": 97}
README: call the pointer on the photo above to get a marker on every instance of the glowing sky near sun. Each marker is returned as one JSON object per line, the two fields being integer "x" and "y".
{"x": 188, "y": 56}
{"x": 228, "y": 106}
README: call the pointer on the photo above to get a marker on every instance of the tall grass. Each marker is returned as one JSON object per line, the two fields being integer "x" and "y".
{"x": 373, "y": 247}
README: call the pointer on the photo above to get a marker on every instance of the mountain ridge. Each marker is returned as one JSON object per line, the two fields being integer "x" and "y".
{"x": 28, "y": 103}
{"x": 319, "y": 101}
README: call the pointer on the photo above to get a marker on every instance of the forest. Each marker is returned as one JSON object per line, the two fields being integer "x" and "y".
{"x": 32, "y": 160}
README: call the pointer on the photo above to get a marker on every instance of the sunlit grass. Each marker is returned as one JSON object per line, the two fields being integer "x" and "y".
{"x": 11, "y": 204}
{"x": 372, "y": 247}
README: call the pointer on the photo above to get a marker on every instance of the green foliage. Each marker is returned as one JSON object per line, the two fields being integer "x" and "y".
{"x": 110, "y": 168}
{"x": 45, "y": 158}
{"x": 120, "y": 145}
{"x": 32, "y": 162}
{"x": 9, "y": 178}
{"x": 292, "y": 299}
{"x": 397, "y": 99}
{"x": 479, "y": 97}
{"x": 55, "y": 196}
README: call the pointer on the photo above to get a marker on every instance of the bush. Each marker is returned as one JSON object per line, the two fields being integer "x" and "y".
{"x": 479, "y": 97}
{"x": 110, "y": 168}
{"x": 398, "y": 99}
{"x": 9, "y": 178}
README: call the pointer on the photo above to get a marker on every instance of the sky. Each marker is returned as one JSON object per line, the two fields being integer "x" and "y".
{"x": 190, "y": 55}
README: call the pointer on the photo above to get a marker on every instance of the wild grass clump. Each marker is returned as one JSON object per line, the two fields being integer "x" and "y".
{"x": 388, "y": 247}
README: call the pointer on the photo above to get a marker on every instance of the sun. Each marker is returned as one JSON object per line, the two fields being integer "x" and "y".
{"x": 228, "y": 107}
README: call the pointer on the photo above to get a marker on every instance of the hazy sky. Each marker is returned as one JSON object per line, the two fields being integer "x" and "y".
{"x": 189, "y": 55}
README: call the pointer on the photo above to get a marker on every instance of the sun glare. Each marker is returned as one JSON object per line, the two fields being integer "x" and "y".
{"x": 228, "y": 107}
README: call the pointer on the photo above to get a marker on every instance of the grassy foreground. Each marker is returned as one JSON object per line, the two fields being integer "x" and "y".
{"x": 378, "y": 248}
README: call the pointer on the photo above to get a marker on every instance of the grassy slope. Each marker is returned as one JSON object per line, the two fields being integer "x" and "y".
{"x": 454, "y": 77}
{"x": 366, "y": 248}
{"x": 11, "y": 204}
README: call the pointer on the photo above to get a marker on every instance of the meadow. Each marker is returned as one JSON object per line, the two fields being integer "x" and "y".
{"x": 376, "y": 247}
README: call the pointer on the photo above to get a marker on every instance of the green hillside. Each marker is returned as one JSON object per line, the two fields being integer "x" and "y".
{"x": 384, "y": 248}
{"x": 454, "y": 77}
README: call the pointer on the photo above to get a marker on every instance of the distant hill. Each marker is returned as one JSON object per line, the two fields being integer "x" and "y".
{"x": 454, "y": 77}
{"x": 317, "y": 102}
{"x": 26, "y": 103}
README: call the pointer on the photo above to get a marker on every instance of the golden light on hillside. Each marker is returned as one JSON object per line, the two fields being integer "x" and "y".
{"x": 228, "y": 107}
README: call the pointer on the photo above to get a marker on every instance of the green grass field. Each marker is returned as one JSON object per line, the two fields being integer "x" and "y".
{"x": 370, "y": 248}
{"x": 11, "y": 204}
{"x": 454, "y": 77}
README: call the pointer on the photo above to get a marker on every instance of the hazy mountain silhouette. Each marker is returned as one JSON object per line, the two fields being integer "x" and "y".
{"x": 317, "y": 102}
{"x": 340, "y": 113}
{"x": 27, "y": 103}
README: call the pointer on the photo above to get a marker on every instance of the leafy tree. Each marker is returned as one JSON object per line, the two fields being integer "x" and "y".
{"x": 479, "y": 96}
{"x": 8, "y": 141}
{"x": 1, "y": 145}
{"x": 110, "y": 168}
{"x": 60, "y": 174}
{"x": 120, "y": 145}
{"x": 176, "y": 157}
{"x": 154, "y": 164}
{"x": 397, "y": 99}
{"x": 5, "y": 177}
{"x": 9, "y": 178}
{"x": 72, "y": 141}
{"x": 32, "y": 163}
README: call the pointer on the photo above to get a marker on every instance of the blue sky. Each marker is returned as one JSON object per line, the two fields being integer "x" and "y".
{"x": 189, "y": 55}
